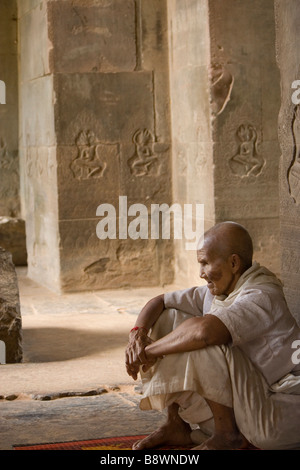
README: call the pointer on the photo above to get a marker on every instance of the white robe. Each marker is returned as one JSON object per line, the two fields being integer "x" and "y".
{"x": 254, "y": 374}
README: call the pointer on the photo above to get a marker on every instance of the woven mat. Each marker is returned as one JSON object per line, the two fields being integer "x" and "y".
{"x": 109, "y": 443}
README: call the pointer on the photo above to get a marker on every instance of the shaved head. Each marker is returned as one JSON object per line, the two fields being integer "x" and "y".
{"x": 227, "y": 238}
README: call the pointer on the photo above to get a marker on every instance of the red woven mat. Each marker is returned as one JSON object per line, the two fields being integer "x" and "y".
{"x": 109, "y": 443}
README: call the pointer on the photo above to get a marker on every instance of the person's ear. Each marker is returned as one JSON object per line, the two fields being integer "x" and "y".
{"x": 235, "y": 263}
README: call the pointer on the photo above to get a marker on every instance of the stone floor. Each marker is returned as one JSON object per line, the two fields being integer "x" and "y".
{"x": 72, "y": 383}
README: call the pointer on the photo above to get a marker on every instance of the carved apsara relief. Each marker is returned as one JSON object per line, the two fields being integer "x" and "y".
{"x": 247, "y": 160}
{"x": 294, "y": 170}
{"x": 146, "y": 158}
{"x": 90, "y": 161}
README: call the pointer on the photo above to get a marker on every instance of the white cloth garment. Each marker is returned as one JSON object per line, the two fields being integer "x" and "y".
{"x": 256, "y": 315}
{"x": 254, "y": 374}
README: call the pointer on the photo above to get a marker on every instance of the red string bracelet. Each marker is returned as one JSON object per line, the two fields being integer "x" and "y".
{"x": 138, "y": 327}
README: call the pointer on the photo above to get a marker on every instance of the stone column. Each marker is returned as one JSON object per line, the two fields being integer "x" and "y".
{"x": 12, "y": 228}
{"x": 10, "y": 314}
{"x": 95, "y": 126}
{"x": 288, "y": 57}
{"x": 37, "y": 146}
{"x": 9, "y": 164}
{"x": 193, "y": 176}
{"x": 246, "y": 101}
{"x": 225, "y": 102}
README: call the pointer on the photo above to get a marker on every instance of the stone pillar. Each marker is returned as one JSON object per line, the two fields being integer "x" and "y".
{"x": 13, "y": 239}
{"x": 9, "y": 164}
{"x": 193, "y": 178}
{"x": 95, "y": 126}
{"x": 246, "y": 101}
{"x": 37, "y": 147}
{"x": 10, "y": 314}
{"x": 288, "y": 57}
{"x": 225, "y": 102}
{"x": 12, "y": 228}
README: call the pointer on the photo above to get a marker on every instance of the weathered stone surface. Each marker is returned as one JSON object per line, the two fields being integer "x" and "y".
{"x": 192, "y": 175}
{"x": 112, "y": 105}
{"x": 71, "y": 419}
{"x": 40, "y": 197}
{"x": 9, "y": 181}
{"x": 34, "y": 33}
{"x": 37, "y": 123}
{"x": 145, "y": 170}
{"x": 105, "y": 130}
{"x": 94, "y": 36}
{"x": 9, "y": 164}
{"x": 246, "y": 150}
{"x": 37, "y": 142}
{"x": 98, "y": 87}
{"x": 13, "y": 239}
{"x": 87, "y": 177}
{"x": 10, "y": 314}
{"x": 287, "y": 30}
{"x": 90, "y": 263}
{"x": 224, "y": 118}
{"x": 99, "y": 135}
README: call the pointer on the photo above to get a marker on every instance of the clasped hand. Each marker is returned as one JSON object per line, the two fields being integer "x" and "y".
{"x": 135, "y": 355}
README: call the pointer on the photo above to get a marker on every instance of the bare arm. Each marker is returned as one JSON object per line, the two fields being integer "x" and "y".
{"x": 138, "y": 339}
{"x": 150, "y": 313}
{"x": 194, "y": 333}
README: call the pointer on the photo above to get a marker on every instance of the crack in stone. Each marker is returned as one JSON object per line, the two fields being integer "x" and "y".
{"x": 67, "y": 394}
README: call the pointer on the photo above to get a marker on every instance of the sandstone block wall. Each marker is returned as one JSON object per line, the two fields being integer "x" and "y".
{"x": 10, "y": 315}
{"x": 13, "y": 239}
{"x": 245, "y": 91}
{"x": 9, "y": 164}
{"x": 288, "y": 57}
{"x": 95, "y": 126}
{"x": 192, "y": 153}
{"x": 38, "y": 144}
{"x": 225, "y": 96}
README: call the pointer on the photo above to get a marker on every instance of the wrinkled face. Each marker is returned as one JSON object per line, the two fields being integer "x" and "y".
{"x": 217, "y": 272}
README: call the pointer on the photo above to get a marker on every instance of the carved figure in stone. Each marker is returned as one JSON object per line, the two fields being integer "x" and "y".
{"x": 221, "y": 87}
{"x": 294, "y": 170}
{"x": 145, "y": 158}
{"x": 88, "y": 163}
{"x": 247, "y": 160}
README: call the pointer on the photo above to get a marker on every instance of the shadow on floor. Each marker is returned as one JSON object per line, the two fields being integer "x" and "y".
{"x": 51, "y": 344}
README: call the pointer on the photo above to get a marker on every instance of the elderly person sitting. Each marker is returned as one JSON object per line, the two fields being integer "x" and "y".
{"x": 220, "y": 356}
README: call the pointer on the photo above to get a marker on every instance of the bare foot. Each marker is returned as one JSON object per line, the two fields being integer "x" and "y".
{"x": 172, "y": 433}
{"x": 225, "y": 441}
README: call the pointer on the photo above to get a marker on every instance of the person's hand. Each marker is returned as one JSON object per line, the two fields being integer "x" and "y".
{"x": 135, "y": 352}
{"x": 150, "y": 363}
